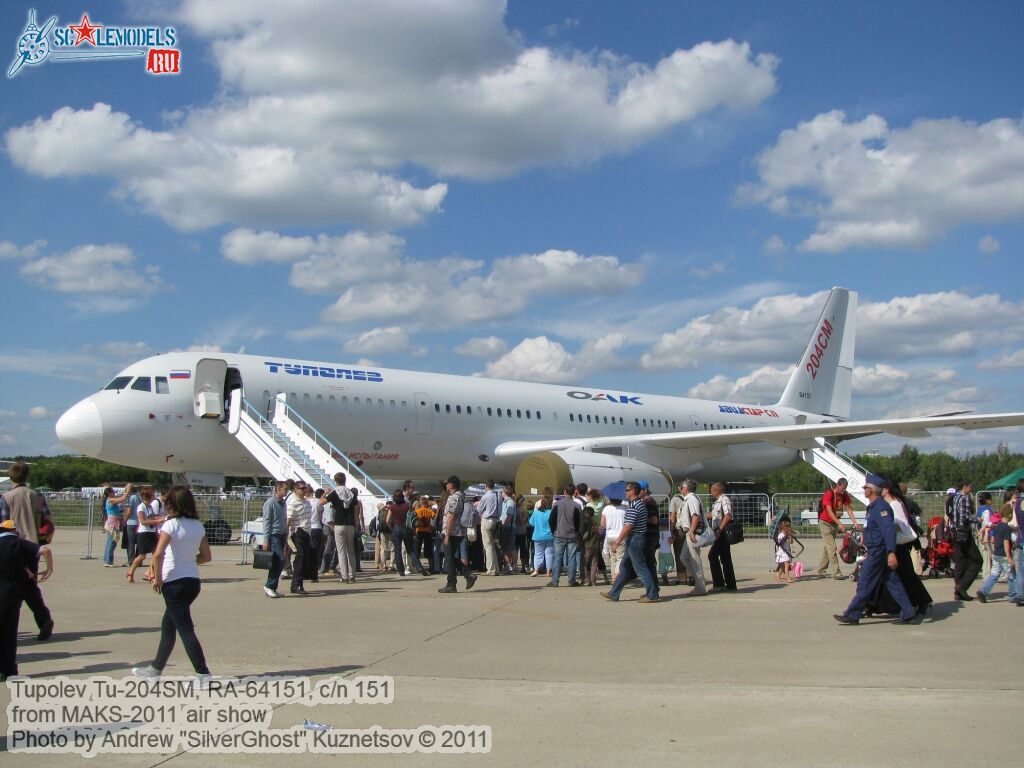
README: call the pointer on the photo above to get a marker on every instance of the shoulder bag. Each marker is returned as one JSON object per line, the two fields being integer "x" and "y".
{"x": 707, "y": 536}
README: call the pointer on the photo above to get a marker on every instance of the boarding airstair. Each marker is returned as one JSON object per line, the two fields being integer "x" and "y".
{"x": 834, "y": 464}
{"x": 288, "y": 446}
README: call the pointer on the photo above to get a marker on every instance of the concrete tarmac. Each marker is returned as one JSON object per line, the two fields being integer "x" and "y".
{"x": 761, "y": 677}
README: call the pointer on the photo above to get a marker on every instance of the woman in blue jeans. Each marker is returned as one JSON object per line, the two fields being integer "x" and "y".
{"x": 175, "y": 573}
{"x": 113, "y": 521}
{"x": 543, "y": 539}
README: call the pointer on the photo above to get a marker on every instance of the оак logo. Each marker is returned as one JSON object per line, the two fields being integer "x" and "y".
{"x": 100, "y": 41}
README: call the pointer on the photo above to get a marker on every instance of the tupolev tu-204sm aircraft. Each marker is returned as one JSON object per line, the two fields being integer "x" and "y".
{"x": 156, "y": 414}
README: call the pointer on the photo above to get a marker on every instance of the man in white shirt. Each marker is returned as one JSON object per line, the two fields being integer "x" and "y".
{"x": 677, "y": 510}
{"x": 688, "y": 522}
{"x": 489, "y": 509}
{"x": 613, "y": 521}
{"x": 299, "y": 524}
{"x": 329, "y": 559}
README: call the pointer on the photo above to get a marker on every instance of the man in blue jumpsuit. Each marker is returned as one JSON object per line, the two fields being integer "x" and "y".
{"x": 880, "y": 540}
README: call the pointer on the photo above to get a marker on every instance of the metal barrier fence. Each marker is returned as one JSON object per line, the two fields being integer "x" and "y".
{"x": 227, "y": 518}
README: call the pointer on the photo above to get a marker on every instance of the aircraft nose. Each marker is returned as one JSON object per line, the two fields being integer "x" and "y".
{"x": 79, "y": 428}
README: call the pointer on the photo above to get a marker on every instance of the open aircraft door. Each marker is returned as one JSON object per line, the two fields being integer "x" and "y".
{"x": 208, "y": 400}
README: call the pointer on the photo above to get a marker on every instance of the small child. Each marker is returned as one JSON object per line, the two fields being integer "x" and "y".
{"x": 784, "y": 552}
{"x": 666, "y": 558}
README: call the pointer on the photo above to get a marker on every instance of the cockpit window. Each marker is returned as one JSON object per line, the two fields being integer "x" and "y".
{"x": 161, "y": 386}
{"x": 119, "y": 383}
{"x": 142, "y": 384}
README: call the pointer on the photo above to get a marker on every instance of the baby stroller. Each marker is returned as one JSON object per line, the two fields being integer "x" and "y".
{"x": 938, "y": 554}
{"x": 852, "y": 550}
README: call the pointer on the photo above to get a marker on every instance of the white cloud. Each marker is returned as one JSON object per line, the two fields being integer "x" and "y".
{"x": 104, "y": 278}
{"x": 766, "y": 384}
{"x": 129, "y": 351}
{"x": 491, "y": 346}
{"x": 38, "y": 412}
{"x": 711, "y": 269}
{"x": 882, "y": 380}
{"x": 554, "y": 30}
{"x": 376, "y": 279}
{"x": 9, "y": 250}
{"x": 319, "y": 116}
{"x": 776, "y": 329}
{"x": 1007, "y": 362}
{"x": 384, "y": 341}
{"x": 192, "y": 180}
{"x": 949, "y": 323}
{"x": 872, "y": 186}
{"x": 988, "y": 245}
{"x": 322, "y": 264}
{"x": 452, "y": 292}
{"x": 537, "y": 359}
{"x": 93, "y": 363}
{"x": 775, "y": 245}
{"x": 541, "y": 359}
{"x": 763, "y": 385}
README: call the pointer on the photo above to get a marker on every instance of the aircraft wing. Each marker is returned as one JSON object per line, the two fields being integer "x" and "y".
{"x": 795, "y": 436}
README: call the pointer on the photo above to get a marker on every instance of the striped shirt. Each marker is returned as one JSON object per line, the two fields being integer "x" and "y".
{"x": 636, "y": 515}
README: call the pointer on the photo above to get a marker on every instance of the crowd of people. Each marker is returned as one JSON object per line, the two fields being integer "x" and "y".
{"x": 578, "y": 532}
{"x": 587, "y": 535}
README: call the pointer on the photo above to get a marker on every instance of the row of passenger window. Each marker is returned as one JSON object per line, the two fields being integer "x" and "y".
{"x": 366, "y": 402}
{"x": 575, "y": 418}
{"x": 467, "y": 410}
{"x": 497, "y": 412}
{"x": 141, "y": 384}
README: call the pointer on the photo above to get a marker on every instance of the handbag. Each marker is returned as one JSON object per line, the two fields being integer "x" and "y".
{"x": 734, "y": 532}
{"x": 471, "y": 535}
{"x": 261, "y": 559}
{"x": 706, "y": 537}
{"x": 904, "y": 533}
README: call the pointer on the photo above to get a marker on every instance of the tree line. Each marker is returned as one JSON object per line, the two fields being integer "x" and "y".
{"x": 925, "y": 471}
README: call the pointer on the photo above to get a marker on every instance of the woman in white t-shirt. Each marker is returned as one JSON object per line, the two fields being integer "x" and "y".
{"x": 150, "y": 517}
{"x": 181, "y": 549}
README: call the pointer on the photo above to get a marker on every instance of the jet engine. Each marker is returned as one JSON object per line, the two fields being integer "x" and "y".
{"x": 560, "y": 468}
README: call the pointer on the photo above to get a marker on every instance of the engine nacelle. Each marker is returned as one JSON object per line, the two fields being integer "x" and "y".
{"x": 557, "y": 469}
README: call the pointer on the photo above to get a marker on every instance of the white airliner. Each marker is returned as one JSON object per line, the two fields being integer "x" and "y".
{"x": 156, "y": 415}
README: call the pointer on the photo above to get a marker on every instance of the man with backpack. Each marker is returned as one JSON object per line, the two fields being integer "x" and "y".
{"x": 833, "y": 502}
{"x": 343, "y": 512}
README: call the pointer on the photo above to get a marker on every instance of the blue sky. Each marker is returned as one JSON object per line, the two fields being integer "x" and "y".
{"x": 646, "y": 196}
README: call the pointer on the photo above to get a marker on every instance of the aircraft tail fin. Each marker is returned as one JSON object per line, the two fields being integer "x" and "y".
{"x": 823, "y": 380}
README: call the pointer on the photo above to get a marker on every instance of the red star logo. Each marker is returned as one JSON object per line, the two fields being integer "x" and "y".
{"x": 86, "y": 32}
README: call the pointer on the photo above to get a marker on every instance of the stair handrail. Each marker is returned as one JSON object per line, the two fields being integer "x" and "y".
{"x": 332, "y": 450}
{"x": 262, "y": 421}
{"x": 845, "y": 457}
